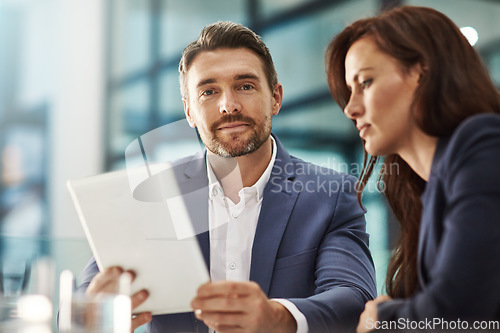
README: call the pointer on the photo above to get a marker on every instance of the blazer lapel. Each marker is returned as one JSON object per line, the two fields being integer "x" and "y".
{"x": 425, "y": 227}
{"x": 279, "y": 199}
{"x": 195, "y": 181}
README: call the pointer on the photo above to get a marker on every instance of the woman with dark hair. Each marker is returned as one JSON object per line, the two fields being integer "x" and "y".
{"x": 421, "y": 97}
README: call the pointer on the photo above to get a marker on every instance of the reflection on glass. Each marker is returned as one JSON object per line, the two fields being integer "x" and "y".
{"x": 14, "y": 276}
{"x": 26, "y": 298}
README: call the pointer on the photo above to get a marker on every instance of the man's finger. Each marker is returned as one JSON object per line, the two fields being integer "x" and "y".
{"x": 141, "y": 319}
{"x": 223, "y": 319}
{"x": 221, "y": 303}
{"x": 225, "y": 328}
{"x": 106, "y": 281}
{"x": 227, "y": 288}
{"x": 138, "y": 298}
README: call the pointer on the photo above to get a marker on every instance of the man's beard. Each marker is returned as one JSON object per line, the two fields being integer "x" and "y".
{"x": 236, "y": 145}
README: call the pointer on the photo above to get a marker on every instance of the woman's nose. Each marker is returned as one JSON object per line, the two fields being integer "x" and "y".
{"x": 354, "y": 107}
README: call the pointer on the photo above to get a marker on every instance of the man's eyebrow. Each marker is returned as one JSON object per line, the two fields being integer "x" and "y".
{"x": 238, "y": 77}
{"x": 204, "y": 82}
{"x": 245, "y": 77}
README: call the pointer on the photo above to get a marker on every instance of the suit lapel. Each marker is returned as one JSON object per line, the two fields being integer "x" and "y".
{"x": 425, "y": 225}
{"x": 195, "y": 180}
{"x": 279, "y": 199}
{"x": 280, "y": 192}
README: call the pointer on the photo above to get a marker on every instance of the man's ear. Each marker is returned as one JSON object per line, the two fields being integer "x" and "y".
{"x": 277, "y": 98}
{"x": 187, "y": 112}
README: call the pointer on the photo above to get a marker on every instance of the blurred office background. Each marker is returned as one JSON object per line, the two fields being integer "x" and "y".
{"x": 81, "y": 79}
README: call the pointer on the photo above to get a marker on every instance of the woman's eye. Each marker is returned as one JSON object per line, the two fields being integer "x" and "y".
{"x": 366, "y": 83}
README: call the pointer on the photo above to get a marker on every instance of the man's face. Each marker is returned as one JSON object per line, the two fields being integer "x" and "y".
{"x": 230, "y": 101}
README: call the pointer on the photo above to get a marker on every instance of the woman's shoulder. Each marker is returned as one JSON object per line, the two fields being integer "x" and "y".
{"x": 478, "y": 125}
{"x": 474, "y": 144}
{"x": 473, "y": 131}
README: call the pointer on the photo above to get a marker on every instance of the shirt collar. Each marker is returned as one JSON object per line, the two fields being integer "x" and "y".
{"x": 213, "y": 183}
{"x": 214, "y": 186}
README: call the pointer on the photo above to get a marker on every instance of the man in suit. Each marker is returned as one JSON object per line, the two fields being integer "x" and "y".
{"x": 286, "y": 244}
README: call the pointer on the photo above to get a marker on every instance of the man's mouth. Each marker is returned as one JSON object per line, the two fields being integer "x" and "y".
{"x": 232, "y": 125}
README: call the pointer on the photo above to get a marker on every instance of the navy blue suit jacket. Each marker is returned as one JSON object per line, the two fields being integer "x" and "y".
{"x": 459, "y": 240}
{"x": 310, "y": 246}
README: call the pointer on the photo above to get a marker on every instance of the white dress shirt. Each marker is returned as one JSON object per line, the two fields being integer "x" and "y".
{"x": 232, "y": 231}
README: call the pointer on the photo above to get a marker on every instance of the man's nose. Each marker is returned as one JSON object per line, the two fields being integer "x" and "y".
{"x": 229, "y": 103}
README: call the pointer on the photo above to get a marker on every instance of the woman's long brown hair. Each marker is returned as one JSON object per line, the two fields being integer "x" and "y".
{"x": 455, "y": 85}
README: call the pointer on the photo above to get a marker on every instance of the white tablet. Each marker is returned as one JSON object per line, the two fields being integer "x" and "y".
{"x": 154, "y": 238}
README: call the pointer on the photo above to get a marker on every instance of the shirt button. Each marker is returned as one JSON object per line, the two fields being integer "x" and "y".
{"x": 234, "y": 214}
{"x": 232, "y": 265}
{"x": 215, "y": 191}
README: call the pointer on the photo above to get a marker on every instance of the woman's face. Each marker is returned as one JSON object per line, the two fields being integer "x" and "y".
{"x": 381, "y": 98}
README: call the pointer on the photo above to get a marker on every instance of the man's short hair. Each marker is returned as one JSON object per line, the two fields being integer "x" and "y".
{"x": 226, "y": 34}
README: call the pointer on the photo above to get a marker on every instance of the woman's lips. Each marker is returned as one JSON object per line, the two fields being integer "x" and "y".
{"x": 362, "y": 129}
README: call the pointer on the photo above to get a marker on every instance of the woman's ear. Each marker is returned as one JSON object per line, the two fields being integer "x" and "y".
{"x": 415, "y": 73}
{"x": 421, "y": 70}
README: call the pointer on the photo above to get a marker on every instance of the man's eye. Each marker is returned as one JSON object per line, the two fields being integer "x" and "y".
{"x": 207, "y": 92}
{"x": 246, "y": 87}
{"x": 366, "y": 83}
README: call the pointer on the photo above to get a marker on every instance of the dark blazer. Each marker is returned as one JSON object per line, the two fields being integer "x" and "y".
{"x": 310, "y": 246}
{"x": 459, "y": 241}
